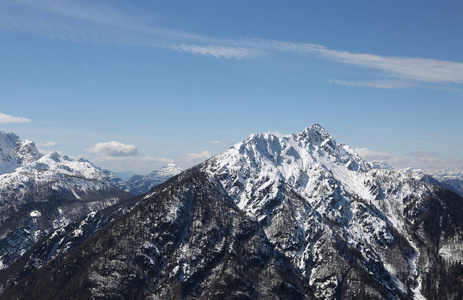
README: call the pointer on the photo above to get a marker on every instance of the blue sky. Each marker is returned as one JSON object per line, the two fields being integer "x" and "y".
{"x": 135, "y": 85}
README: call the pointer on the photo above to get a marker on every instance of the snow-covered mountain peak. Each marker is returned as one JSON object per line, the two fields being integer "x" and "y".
{"x": 264, "y": 163}
{"x": 10, "y": 138}
{"x": 315, "y": 134}
{"x": 59, "y": 164}
{"x": 7, "y": 157}
{"x": 139, "y": 184}
{"x": 26, "y": 151}
{"x": 55, "y": 156}
{"x": 14, "y": 152}
{"x": 170, "y": 169}
{"x": 380, "y": 164}
{"x": 311, "y": 148}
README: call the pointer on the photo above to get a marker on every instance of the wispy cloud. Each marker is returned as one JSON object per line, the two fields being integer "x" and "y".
{"x": 419, "y": 69}
{"x": 216, "y": 142}
{"x": 425, "y": 143}
{"x": 369, "y": 128}
{"x": 77, "y": 21}
{"x": 382, "y": 84}
{"x": 371, "y": 155}
{"x": 276, "y": 133}
{"x": 409, "y": 68}
{"x": 191, "y": 159}
{"x": 220, "y": 51}
{"x": 47, "y": 144}
{"x": 417, "y": 159}
{"x": 5, "y": 119}
{"x": 431, "y": 157}
{"x": 202, "y": 155}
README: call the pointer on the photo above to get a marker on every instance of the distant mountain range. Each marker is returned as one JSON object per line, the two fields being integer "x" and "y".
{"x": 140, "y": 184}
{"x": 292, "y": 217}
{"x": 449, "y": 179}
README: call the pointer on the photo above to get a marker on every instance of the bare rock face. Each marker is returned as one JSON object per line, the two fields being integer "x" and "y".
{"x": 292, "y": 217}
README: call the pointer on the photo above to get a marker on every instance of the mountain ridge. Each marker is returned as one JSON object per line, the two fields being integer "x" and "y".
{"x": 336, "y": 225}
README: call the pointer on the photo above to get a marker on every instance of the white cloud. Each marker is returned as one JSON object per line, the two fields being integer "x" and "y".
{"x": 220, "y": 51}
{"x": 371, "y": 155}
{"x": 194, "y": 156}
{"x": 5, "y": 119}
{"x": 382, "y": 84}
{"x": 47, "y": 144}
{"x": 216, "y": 142}
{"x": 113, "y": 149}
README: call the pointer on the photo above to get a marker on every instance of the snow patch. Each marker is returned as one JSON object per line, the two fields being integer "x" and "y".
{"x": 35, "y": 213}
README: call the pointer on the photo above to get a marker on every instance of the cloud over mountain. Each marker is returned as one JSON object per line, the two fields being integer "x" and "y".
{"x": 113, "y": 148}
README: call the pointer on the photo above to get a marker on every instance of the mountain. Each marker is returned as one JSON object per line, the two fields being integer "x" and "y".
{"x": 452, "y": 180}
{"x": 14, "y": 152}
{"x": 449, "y": 179}
{"x": 139, "y": 184}
{"x": 39, "y": 193}
{"x": 125, "y": 175}
{"x": 116, "y": 180}
{"x": 292, "y": 217}
{"x": 373, "y": 213}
